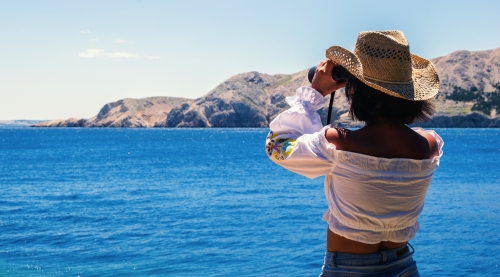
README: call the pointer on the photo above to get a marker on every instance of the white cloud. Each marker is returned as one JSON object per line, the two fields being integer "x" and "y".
{"x": 93, "y": 53}
{"x": 123, "y": 41}
{"x": 94, "y": 40}
{"x": 85, "y": 31}
{"x": 119, "y": 55}
{"x": 152, "y": 57}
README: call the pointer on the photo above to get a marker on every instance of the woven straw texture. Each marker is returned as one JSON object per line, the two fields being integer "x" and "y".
{"x": 382, "y": 60}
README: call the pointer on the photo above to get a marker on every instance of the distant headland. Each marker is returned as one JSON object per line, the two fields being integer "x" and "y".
{"x": 19, "y": 123}
{"x": 469, "y": 97}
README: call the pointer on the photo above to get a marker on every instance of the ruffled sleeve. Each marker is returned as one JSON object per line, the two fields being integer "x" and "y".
{"x": 296, "y": 139}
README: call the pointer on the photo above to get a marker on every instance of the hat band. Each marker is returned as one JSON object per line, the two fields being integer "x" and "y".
{"x": 389, "y": 82}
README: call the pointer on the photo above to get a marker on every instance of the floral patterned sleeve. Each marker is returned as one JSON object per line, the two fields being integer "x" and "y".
{"x": 297, "y": 137}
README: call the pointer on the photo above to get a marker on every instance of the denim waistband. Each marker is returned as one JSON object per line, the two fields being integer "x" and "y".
{"x": 379, "y": 258}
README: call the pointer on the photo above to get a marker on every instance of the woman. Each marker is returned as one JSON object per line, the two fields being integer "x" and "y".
{"x": 376, "y": 177}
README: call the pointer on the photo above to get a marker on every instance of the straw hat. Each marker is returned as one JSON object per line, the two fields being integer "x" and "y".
{"x": 383, "y": 61}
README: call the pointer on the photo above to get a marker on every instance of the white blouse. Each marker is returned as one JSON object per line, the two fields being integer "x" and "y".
{"x": 370, "y": 199}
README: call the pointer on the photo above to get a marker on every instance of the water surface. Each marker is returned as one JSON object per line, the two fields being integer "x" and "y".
{"x": 189, "y": 202}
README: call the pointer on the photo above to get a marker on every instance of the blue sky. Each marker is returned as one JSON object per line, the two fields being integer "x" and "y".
{"x": 61, "y": 59}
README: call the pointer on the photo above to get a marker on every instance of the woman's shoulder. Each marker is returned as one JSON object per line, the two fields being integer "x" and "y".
{"x": 434, "y": 141}
{"x": 338, "y": 136}
{"x": 415, "y": 143}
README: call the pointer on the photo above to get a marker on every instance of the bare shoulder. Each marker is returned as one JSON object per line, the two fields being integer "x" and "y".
{"x": 432, "y": 142}
{"x": 338, "y": 136}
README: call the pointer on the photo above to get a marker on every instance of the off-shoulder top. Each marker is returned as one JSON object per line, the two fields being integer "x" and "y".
{"x": 370, "y": 199}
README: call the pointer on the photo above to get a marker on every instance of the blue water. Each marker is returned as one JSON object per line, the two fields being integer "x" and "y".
{"x": 208, "y": 202}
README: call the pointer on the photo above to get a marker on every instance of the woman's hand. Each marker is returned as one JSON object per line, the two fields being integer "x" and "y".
{"x": 323, "y": 81}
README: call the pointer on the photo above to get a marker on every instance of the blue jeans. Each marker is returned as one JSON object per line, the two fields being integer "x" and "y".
{"x": 397, "y": 262}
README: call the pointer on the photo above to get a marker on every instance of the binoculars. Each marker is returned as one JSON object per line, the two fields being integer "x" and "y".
{"x": 339, "y": 74}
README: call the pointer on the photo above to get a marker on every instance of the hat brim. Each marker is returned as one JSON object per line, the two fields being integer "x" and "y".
{"x": 425, "y": 83}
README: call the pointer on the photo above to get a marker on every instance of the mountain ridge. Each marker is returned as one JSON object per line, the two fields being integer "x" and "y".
{"x": 253, "y": 99}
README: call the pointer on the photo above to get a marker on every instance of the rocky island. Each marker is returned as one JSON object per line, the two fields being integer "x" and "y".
{"x": 469, "y": 97}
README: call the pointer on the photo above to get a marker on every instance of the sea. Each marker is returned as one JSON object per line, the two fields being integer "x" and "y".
{"x": 208, "y": 202}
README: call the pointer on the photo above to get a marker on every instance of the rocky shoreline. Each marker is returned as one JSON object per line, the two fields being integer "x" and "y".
{"x": 474, "y": 120}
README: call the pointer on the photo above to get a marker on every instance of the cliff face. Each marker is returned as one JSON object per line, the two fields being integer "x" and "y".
{"x": 242, "y": 101}
{"x": 253, "y": 99}
{"x": 145, "y": 112}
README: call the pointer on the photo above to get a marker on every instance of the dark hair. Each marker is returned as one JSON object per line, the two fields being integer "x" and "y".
{"x": 369, "y": 104}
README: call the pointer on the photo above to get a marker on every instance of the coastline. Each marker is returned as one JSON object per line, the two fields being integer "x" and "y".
{"x": 472, "y": 120}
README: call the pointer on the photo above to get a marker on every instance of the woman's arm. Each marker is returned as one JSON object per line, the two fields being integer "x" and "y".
{"x": 294, "y": 139}
{"x": 297, "y": 137}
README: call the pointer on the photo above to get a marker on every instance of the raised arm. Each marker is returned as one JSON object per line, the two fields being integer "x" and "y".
{"x": 297, "y": 138}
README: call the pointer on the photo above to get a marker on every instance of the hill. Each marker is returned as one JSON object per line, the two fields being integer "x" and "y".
{"x": 469, "y": 97}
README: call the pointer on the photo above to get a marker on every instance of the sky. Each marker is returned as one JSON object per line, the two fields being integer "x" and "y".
{"x": 62, "y": 59}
